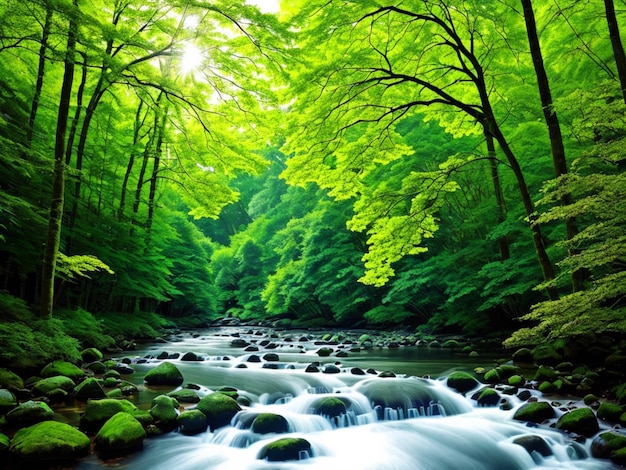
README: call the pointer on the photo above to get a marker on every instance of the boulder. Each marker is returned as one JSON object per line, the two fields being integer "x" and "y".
{"x": 123, "y": 368}
{"x": 97, "y": 412}
{"x": 516, "y": 381}
{"x": 91, "y": 355}
{"x": 266, "y": 423}
{"x": 218, "y": 408}
{"x": 5, "y": 443}
{"x": 324, "y": 352}
{"x": 580, "y": 421}
{"x": 610, "y": 412}
{"x": 533, "y": 443}
{"x": 49, "y": 442}
{"x": 462, "y": 381}
{"x": 64, "y": 368}
{"x": 89, "y": 388}
{"x": 288, "y": 448}
{"x": 185, "y": 395}
{"x": 192, "y": 422}
{"x": 8, "y": 401}
{"x": 45, "y": 386}
{"x": 535, "y": 412}
{"x": 164, "y": 410}
{"x": 120, "y": 434}
{"x": 97, "y": 367}
{"x": 29, "y": 413}
{"x": 488, "y": 397}
{"x": 165, "y": 373}
{"x": 330, "y": 407}
{"x": 10, "y": 380}
{"x": 546, "y": 354}
{"x": 191, "y": 357}
{"x": 610, "y": 445}
{"x": 492, "y": 376}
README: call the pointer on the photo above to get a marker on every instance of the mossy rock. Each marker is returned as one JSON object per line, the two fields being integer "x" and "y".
{"x": 522, "y": 355}
{"x": 546, "y": 387}
{"x": 64, "y": 368}
{"x": 89, "y": 388}
{"x": 120, "y": 434}
{"x": 185, "y": 395}
{"x": 165, "y": 373}
{"x": 451, "y": 344}
{"x": 10, "y": 380}
{"x": 266, "y": 423}
{"x": 492, "y": 376}
{"x": 29, "y": 413}
{"x": 49, "y": 442}
{"x": 462, "y": 381}
{"x": 97, "y": 367}
{"x": 45, "y": 386}
{"x": 330, "y": 407}
{"x": 507, "y": 370}
{"x": 91, "y": 355}
{"x": 608, "y": 445}
{"x": 324, "y": 352}
{"x": 218, "y": 408}
{"x": 580, "y": 421}
{"x": 192, "y": 422}
{"x": 535, "y": 412}
{"x": 288, "y": 448}
{"x": 164, "y": 410}
{"x": 112, "y": 374}
{"x": 97, "y": 412}
{"x": 488, "y": 397}
{"x": 610, "y": 412}
{"x": 8, "y": 401}
{"x": 229, "y": 392}
{"x": 534, "y": 444}
{"x": 516, "y": 381}
{"x": 546, "y": 354}
{"x": 545, "y": 373}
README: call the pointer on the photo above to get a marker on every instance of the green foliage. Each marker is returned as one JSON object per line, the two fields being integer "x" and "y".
{"x": 86, "y": 328}
{"x": 136, "y": 325}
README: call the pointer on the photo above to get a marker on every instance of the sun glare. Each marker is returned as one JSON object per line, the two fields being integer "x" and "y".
{"x": 192, "y": 59}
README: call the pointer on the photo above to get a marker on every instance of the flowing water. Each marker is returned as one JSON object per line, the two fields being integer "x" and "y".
{"x": 403, "y": 422}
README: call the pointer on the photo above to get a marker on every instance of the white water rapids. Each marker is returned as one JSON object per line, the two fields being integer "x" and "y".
{"x": 391, "y": 423}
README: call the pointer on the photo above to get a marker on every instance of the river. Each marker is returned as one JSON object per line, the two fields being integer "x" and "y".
{"x": 384, "y": 426}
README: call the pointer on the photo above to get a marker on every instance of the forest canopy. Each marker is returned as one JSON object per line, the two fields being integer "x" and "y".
{"x": 439, "y": 165}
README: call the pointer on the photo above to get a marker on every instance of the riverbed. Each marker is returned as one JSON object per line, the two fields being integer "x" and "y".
{"x": 384, "y": 427}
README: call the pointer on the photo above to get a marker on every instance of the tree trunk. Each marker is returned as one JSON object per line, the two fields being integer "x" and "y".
{"x": 55, "y": 220}
{"x": 131, "y": 160}
{"x": 30, "y": 132}
{"x": 503, "y": 242}
{"x": 616, "y": 43}
{"x": 552, "y": 121}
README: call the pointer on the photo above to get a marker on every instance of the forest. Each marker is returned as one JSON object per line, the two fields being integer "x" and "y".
{"x": 446, "y": 166}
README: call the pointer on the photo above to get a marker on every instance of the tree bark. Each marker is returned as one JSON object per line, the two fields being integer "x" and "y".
{"x": 53, "y": 237}
{"x": 616, "y": 43}
{"x": 503, "y": 242}
{"x": 552, "y": 121}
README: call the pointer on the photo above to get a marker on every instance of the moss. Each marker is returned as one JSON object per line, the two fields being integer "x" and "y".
{"x": 610, "y": 412}
{"x": 192, "y": 422}
{"x": 64, "y": 368}
{"x": 49, "y": 441}
{"x": 45, "y": 386}
{"x": 91, "y": 355}
{"x": 218, "y": 408}
{"x": 516, "y": 381}
{"x": 266, "y": 423}
{"x": 288, "y": 448}
{"x": 492, "y": 376}
{"x": 330, "y": 407}
{"x": 10, "y": 380}
{"x": 488, "y": 397}
{"x": 535, "y": 412}
{"x": 462, "y": 381}
{"x": 580, "y": 421}
{"x": 120, "y": 434}
{"x": 89, "y": 388}
{"x": 5, "y": 442}
{"x": 29, "y": 413}
{"x": 97, "y": 412}
{"x": 165, "y": 373}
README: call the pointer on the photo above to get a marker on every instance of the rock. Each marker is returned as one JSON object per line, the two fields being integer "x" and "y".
{"x": 522, "y": 355}
{"x": 545, "y": 373}
{"x": 546, "y": 354}
{"x": 610, "y": 445}
{"x": 185, "y": 395}
{"x": 535, "y": 412}
{"x": 10, "y": 380}
{"x": 357, "y": 371}
{"x": 610, "y": 412}
{"x": 330, "y": 407}
{"x": 45, "y": 386}
{"x": 488, "y": 397}
{"x": 231, "y": 392}
{"x": 288, "y": 448}
{"x": 271, "y": 357}
{"x": 91, "y": 355}
{"x": 312, "y": 368}
{"x": 266, "y": 423}
{"x": 8, "y": 401}
{"x": 218, "y": 408}
{"x": 29, "y": 413}
{"x": 239, "y": 343}
{"x": 120, "y": 434}
{"x": 64, "y": 368}
{"x": 164, "y": 410}
{"x": 97, "y": 412}
{"x": 5, "y": 443}
{"x": 192, "y": 422}
{"x": 331, "y": 369}
{"x": 165, "y": 373}
{"x": 123, "y": 368}
{"x": 580, "y": 421}
{"x": 191, "y": 357}
{"x": 461, "y": 381}
{"x": 89, "y": 388}
{"x": 324, "y": 352}
{"x": 533, "y": 443}
{"x": 49, "y": 442}
{"x": 97, "y": 367}
{"x": 492, "y": 376}
{"x": 516, "y": 381}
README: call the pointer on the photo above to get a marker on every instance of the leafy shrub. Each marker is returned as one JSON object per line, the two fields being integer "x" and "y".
{"x": 134, "y": 325}
{"x": 86, "y": 328}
